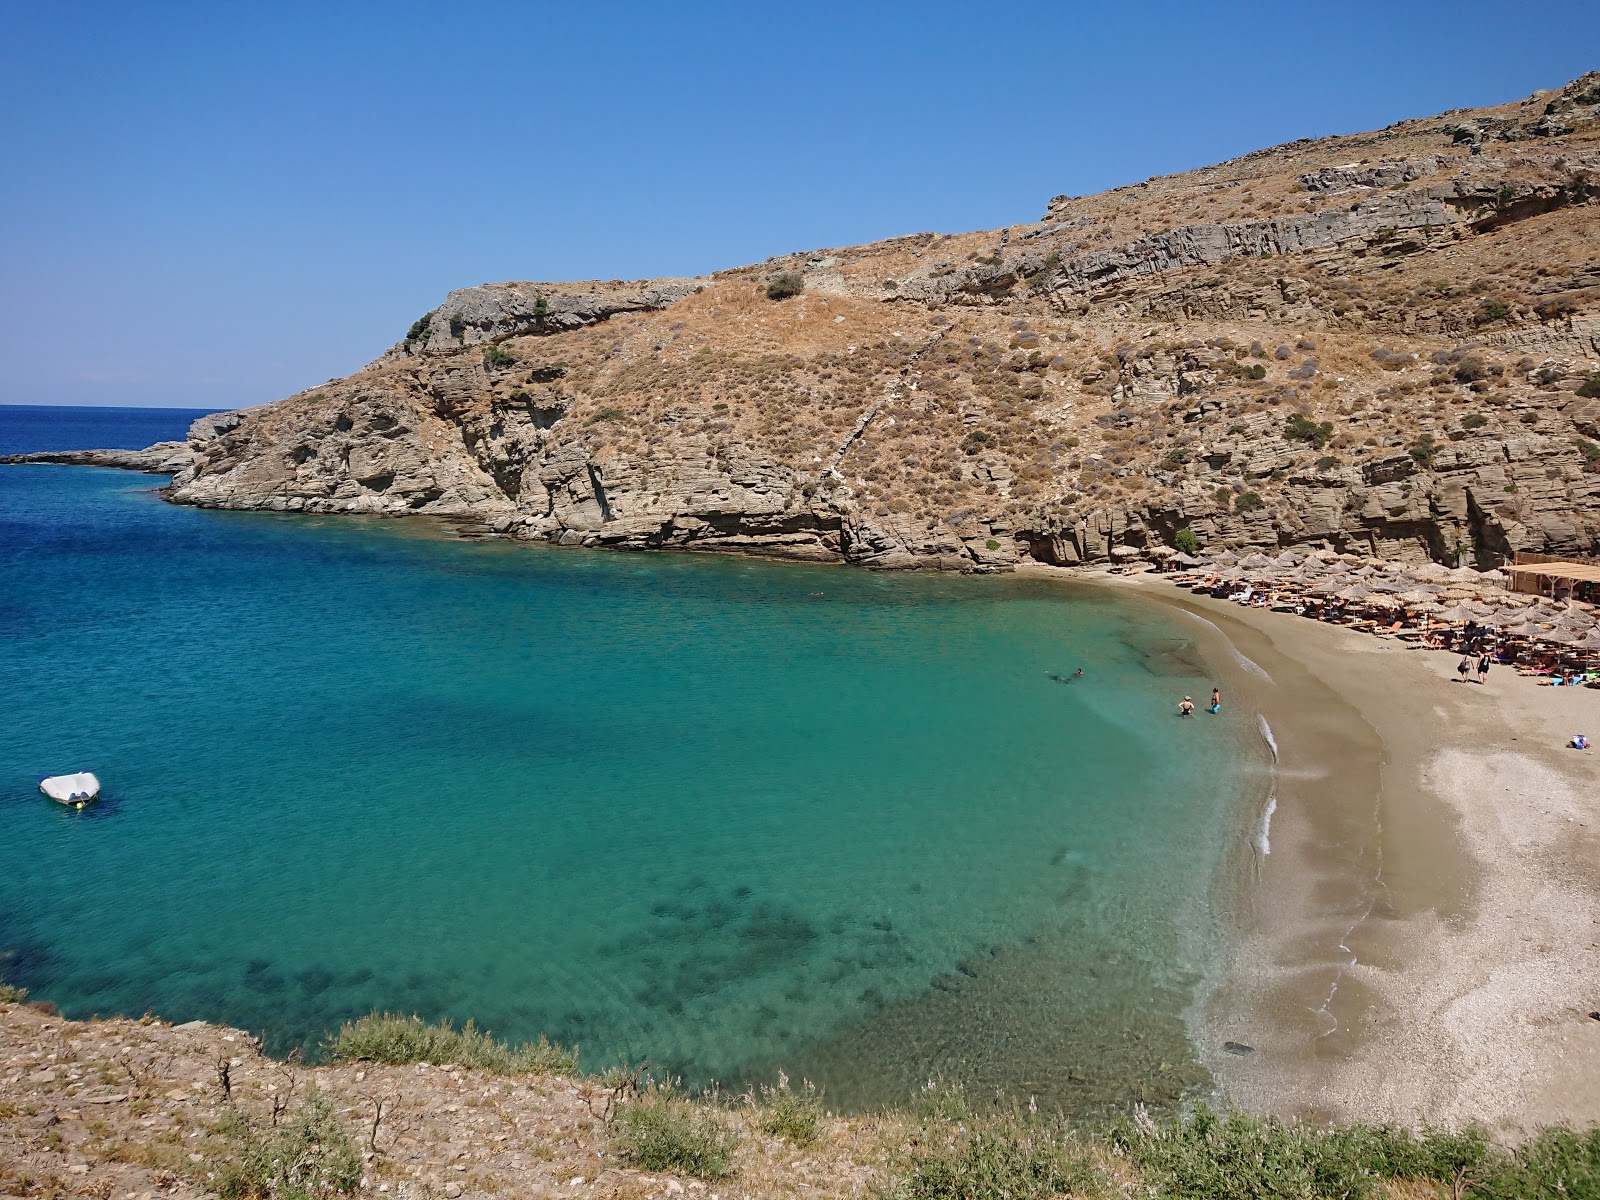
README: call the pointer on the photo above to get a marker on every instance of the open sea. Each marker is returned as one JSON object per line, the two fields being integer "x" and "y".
{"x": 725, "y": 815}
{"x": 29, "y": 428}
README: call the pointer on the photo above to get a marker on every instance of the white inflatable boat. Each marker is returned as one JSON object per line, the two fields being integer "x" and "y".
{"x": 76, "y": 790}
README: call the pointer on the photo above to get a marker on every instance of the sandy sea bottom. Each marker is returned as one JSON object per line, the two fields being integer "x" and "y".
{"x": 726, "y": 815}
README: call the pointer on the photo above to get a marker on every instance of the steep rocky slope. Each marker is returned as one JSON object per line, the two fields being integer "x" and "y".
{"x": 1385, "y": 342}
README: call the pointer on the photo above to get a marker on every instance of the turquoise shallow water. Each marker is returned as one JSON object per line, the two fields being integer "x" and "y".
{"x": 727, "y": 815}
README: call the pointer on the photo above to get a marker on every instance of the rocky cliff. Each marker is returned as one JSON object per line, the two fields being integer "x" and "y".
{"x": 1387, "y": 342}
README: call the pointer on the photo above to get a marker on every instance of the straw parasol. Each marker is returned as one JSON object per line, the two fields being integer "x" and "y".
{"x": 1459, "y": 614}
{"x": 1356, "y": 592}
{"x": 1416, "y": 597}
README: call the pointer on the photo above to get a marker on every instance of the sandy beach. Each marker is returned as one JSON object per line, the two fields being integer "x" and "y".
{"x": 1421, "y": 942}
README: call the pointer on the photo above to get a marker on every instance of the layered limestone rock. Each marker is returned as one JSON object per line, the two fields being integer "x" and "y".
{"x": 1386, "y": 342}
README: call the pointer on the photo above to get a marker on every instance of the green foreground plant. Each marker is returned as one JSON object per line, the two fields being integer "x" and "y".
{"x": 660, "y": 1129}
{"x": 1009, "y": 1158}
{"x": 302, "y": 1155}
{"x": 794, "y": 1116}
{"x": 12, "y": 995}
{"x": 392, "y": 1039}
{"x": 1209, "y": 1156}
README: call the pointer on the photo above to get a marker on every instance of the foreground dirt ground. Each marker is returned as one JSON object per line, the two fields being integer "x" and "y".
{"x": 119, "y": 1108}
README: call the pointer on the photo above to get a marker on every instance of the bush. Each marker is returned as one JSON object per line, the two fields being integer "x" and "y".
{"x": 1558, "y": 1162}
{"x": 387, "y": 1038}
{"x": 607, "y": 414}
{"x": 1591, "y": 461}
{"x": 1250, "y": 501}
{"x": 1470, "y": 369}
{"x": 12, "y": 995}
{"x": 941, "y": 1101}
{"x": 1490, "y": 309}
{"x": 306, "y": 1156}
{"x": 458, "y": 325}
{"x": 1590, "y": 387}
{"x": 1474, "y": 421}
{"x": 1004, "y": 1160}
{"x": 796, "y": 1117}
{"x": 421, "y": 327}
{"x": 785, "y": 284}
{"x": 976, "y": 440}
{"x": 1185, "y": 542}
{"x": 1423, "y": 450}
{"x": 1327, "y": 462}
{"x": 663, "y": 1131}
{"x": 1300, "y": 428}
{"x": 498, "y": 356}
{"x": 1175, "y": 458}
{"x": 1206, "y": 1157}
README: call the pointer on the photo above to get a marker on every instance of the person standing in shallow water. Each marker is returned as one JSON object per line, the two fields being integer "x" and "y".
{"x": 1216, "y": 701}
{"x": 1186, "y": 707}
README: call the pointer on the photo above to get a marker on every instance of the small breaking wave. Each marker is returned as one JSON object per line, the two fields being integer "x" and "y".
{"x": 1266, "y": 732}
{"x": 1249, "y": 664}
{"x": 1264, "y": 834}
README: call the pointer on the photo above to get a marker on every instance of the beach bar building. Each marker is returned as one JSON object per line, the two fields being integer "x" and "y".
{"x": 1563, "y": 577}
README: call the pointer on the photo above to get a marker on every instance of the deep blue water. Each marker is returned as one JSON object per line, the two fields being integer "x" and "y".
{"x": 27, "y": 428}
{"x": 728, "y": 815}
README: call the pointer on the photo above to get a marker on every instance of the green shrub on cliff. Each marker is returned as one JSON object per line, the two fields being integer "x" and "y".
{"x": 388, "y": 1038}
{"x": 794, "y": 1116}
{"x": 1008, "y": 1159}
{"x": 1185, "y": 542}
{"x": 306, "y": 1155}
{"x": 497, "y": 356}
{"x": 785, "y": 284}
{"x": 661, "y": 1130}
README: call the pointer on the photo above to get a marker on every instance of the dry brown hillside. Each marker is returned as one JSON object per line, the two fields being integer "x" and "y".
{"x": 1386, "y": 342}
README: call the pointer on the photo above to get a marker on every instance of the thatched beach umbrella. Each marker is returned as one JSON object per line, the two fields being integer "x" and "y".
{"x": 1526, "y": 629}
{"x": 1428, "y": 573}
{"x": 1460, "y": 614}
{"x": 1416, "y": 598}
{"x": 1355, "y": 592}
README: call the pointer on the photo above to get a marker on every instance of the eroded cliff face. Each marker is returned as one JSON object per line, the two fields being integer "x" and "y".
{"x": 1383, "y": 342}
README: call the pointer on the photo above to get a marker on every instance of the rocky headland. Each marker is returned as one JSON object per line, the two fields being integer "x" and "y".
{"x": 1385, "y": 342}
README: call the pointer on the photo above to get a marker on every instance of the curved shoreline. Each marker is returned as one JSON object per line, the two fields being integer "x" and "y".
{"x": 1422, "y": 945}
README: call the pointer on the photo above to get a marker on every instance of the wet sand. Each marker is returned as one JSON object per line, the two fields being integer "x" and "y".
{"x": 1421, "y": 942}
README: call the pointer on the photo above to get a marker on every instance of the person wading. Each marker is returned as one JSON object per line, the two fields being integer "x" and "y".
{"x": 1216, "y": 701}
{"x": 1186, "y": 707}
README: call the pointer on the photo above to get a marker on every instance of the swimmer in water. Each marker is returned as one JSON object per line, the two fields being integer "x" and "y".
{"x": 1078, "y": 674}
{"x": 1186, "y": 707}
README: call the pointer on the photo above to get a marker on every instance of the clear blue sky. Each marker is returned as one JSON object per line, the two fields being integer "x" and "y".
{"x": 216, "y": 204}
